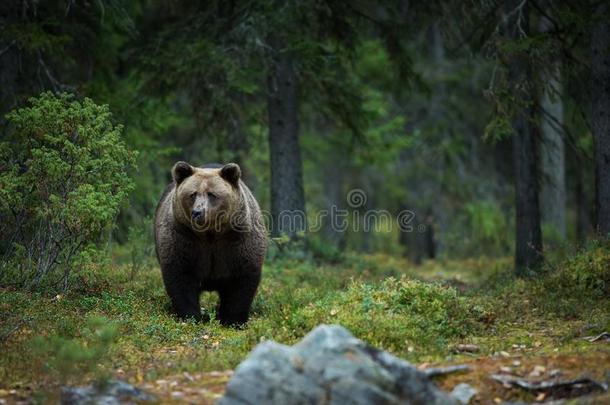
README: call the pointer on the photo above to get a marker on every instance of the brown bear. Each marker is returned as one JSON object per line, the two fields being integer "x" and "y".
{"x": 209, "y": 236}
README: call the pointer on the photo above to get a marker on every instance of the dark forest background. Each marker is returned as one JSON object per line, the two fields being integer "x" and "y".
{"x": 487, "y": 119}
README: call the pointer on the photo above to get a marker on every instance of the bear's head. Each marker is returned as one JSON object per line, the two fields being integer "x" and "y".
{"x": 207, "y": 200}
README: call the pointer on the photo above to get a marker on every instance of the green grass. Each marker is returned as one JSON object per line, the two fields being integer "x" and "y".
{"x": 419, "y": 313}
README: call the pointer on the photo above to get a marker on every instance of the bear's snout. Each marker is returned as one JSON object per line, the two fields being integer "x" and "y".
{"x": 197, "y": 214}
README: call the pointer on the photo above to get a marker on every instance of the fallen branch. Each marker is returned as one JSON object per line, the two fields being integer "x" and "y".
{"x": 556, "y": 389}
{"x": 4, "y": 337}
{"x": 437, "y": 371}
{"x": 602, "y": 336}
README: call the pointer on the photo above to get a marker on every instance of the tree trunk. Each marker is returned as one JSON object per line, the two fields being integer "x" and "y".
{"x": 600, "y": 94}
{"x": 239, "y": 147}
{"x": 422, "y": 242}
{"x": 334, "y": 197}
{"x": 552, "y": 149}
{"x": 430, "y": 244}
{"x": 435, "y": 215}
{"x": 528, "y": 244}
{"x": 413, "y": 241}
{"x": 287, "y": 196}
{"x": 583, "y": 214}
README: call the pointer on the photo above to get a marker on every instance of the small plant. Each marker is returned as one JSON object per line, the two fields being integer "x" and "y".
{"x": 63, "y": 177}
{"x": 486, "y": 230}
{"x": 283, "y": 247}
{"x": 71, "y": 357}
{"x": 140, "y": 243}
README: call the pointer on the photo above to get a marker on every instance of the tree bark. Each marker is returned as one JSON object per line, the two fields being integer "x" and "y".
{"x": 600, "y": 94}
{"x": 552, "y": 149}
{"x": 334, "y": 197}
{"x": 428, "y": 207}
{"x": 287, "y": 195}
{"x": 435, "y": 218}
{"x": 583, "y": 214}
{"x": 528, "y": 243}
{"x": 239, "y": 147}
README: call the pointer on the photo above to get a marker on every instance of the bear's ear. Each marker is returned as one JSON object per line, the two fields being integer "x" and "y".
{"x": 231, "y": 173}
{"x": 181, "y": 171}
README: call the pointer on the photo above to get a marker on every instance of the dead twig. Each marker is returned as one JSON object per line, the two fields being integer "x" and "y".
{"x": 437, "y": 371}
{"x": 4, "y": 337}
{"x": 605, "y": 336}
{"x": 553, "y": 388}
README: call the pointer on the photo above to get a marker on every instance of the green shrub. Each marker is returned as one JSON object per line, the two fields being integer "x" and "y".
{"x": 404, "y": 313}
{"x": 72, "y": 357}
{"x": 488, "y": 226}
{"x": 283, "y": 247}
{"x": 63, "y": 177}
{"x": 323, "y": 249}
{"x": 481, "y": 229}
{"x": 576, "y": 286}
{"x": 582, "y": 281}
{"x": 589, "y": 270}
{"x": 140, "y": 243}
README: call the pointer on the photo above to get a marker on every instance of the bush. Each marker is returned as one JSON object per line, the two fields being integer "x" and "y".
{"x": 575, "y": 284}
{"x": 573, "y": 287}
{"x": 141, "y": 245}
{"x": 481, "y": 229}
{"x": 404, "y": 312}
{"x": 63, "y": 178}
{"x": 73, "y": 357}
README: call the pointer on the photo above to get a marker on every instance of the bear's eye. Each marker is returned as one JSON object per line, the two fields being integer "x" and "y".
{"x": 193, "y": 196}
{"x": 212, "y": 196}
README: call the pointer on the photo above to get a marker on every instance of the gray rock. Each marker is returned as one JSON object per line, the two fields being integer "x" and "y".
{"x": 463, "y": 393}
{"x": 114, "y": 392}
{"x": 329, "y": 366}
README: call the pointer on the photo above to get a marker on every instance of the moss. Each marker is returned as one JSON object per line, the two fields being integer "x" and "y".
{"x": 407, "y": 316}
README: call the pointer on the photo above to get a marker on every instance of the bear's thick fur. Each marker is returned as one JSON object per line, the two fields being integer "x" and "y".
{"x": 209, "y": 236}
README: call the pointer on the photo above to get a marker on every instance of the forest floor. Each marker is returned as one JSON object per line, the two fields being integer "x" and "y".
{"x": 440, "y": 313}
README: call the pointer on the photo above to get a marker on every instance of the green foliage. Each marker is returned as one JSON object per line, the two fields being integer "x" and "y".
{"x": 390, "y": 98}
{"x": 570, "y": 287}
{"x": 488, "y": 229}
{"x": 283, "y": 247}
{"x": 406, "y": 312}
{"x": 498, "y": 128}
{"x": 63, "y": 179}
{"x": 380, "y": 298}
{"x": 37, "y": 37}
{"x": 70, "y": 358}
{"x": 576, "y": 282}
{"x": 141, "y": 245}
{"x": 322, "y": 250}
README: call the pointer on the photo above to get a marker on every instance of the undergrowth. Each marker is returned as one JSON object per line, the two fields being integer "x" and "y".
{"x": 121, "y": 320}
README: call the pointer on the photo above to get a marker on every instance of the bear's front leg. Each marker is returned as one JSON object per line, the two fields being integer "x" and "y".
{"x": 183, "y": 290}
{"x": 236, "y": 296}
